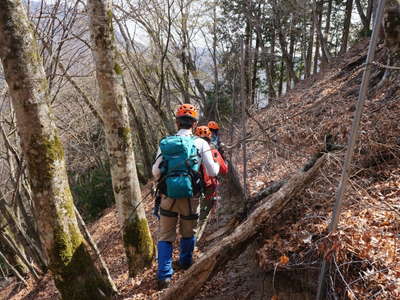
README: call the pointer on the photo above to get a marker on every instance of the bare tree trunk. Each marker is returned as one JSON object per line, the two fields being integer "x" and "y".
{"x": 255, "y": 69}
{"x": 286, "y": 57}
{"x": 185, "y": 53}
{"x": 146, "y": 153}
{"x": 243, "y": 99}
{"x": 316, "y": 54}
{"x": 391, "y": 25}
{"x": 308, "y": 62}
{"x": 346, "y": 27}
{"x": 75, "y": 273}
{"x": 233, "y": 111}
{"x": 281, "y": 75}
{"x": 317, "y": 13}
{"x": 282, "y": 40}
{"x": 328, "y": 24}
{"x": 271, "y": 73}
{"x": 292, "y": 39}
{"x": 247, "y": 51}
{"x": 215, "y": 106}
{"x": 369, "y": 12}
{"x": 317, "y": 18}
{"x": 195, "y": 74}
{"x": 189, "y": 65}
{"x": 365, "y": 17}
{"x": 136, "y": 234}
{"x": 164, "y": 53}
{"x": 362, "y": 15}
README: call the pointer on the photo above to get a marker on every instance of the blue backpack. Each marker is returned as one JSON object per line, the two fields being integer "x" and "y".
{"x": 180, "y": 167}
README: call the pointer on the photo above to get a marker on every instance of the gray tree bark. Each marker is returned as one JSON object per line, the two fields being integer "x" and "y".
{"x": 114, "y": 110}
{"x": 308, "y": 61}
{"x": 75, "y": 273}
{"x": 346, "y": 27}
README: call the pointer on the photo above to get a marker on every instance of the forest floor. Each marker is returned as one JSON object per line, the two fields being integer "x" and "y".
{"x": 283, "y": 261}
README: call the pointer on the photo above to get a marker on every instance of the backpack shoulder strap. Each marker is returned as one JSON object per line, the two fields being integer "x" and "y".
{"x": 158, "y": 156}
{"x": 195, "y": 137}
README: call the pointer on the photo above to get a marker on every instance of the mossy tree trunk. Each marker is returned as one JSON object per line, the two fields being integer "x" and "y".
{"x": 75, "y": 274}
{"x": 113, "y": 106}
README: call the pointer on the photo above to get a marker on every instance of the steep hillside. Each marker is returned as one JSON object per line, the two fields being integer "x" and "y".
{"x": 317, "y": 116}
{"x": 283, "y": 261}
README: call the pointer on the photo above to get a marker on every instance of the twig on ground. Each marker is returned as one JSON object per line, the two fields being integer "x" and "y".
{"x": 344, "y": 281}
{"x": 368, "y": 275}
{"x": 391, "y": 207}
{"x": 273, "y": 278}
{"x": 377, "y": 64}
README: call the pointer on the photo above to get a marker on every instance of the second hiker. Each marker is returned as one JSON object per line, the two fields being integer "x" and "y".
{"x": 211, "y": 183}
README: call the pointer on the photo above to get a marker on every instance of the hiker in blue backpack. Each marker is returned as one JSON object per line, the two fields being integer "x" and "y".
{"x": 177, "y": 167}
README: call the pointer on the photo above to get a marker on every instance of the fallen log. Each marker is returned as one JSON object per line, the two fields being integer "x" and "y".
{"x": 234, "y": 244}
{"x": 231, "y": 224}
{"x": 273, "y": 188}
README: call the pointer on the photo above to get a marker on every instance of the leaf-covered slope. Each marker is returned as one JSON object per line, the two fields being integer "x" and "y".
{"x": 316, "y": 115}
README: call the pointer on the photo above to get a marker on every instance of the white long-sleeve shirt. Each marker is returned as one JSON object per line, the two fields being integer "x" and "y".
{"x": 206, "y": 158}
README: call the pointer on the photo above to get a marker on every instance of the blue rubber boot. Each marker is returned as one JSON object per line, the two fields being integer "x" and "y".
{"x": 164, "y": 271}
{"x": 186, "y": 251}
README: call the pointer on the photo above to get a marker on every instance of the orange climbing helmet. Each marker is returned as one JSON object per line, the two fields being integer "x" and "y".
{"x": 213, "y": 125}
{"x": 187, "y": 110}
{"x": 203, "y": 131}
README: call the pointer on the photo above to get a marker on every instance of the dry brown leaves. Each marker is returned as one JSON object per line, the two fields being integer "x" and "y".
{"x": 366, "y": 247}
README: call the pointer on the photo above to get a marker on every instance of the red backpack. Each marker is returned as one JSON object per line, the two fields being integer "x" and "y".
{"x": 209, "y": 181}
